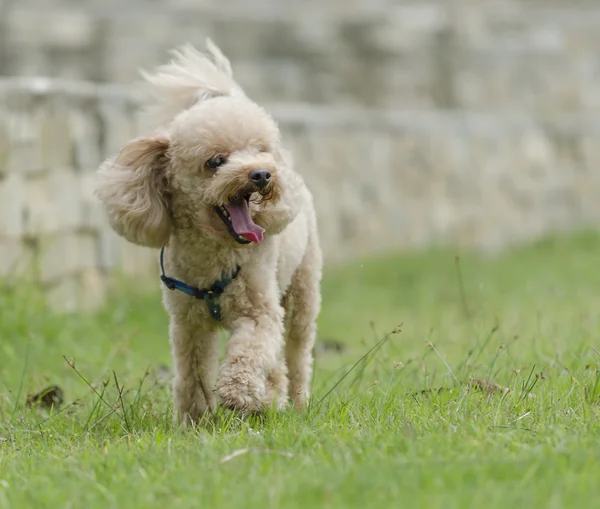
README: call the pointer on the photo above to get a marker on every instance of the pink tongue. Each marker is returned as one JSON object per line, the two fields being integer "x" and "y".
{"x": 242, "y": 222}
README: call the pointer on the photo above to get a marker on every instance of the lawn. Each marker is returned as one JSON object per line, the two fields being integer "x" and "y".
{"x": 486, "y": 395}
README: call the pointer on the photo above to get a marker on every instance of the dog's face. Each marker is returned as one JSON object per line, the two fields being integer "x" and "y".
{"x": 223, "y": 164}
{"x": 211, "y": 171}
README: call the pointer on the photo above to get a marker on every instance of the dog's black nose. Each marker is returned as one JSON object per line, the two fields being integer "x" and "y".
{"x": 260, "y": 178}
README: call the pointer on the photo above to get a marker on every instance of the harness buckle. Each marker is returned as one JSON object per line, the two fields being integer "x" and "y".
{"x": 212, "y": 295}
{"x": 213, "y": 301}
{"x": 168, "y": 282}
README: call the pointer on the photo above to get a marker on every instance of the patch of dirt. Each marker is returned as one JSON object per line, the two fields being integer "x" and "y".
{"x": 52, "y": 396}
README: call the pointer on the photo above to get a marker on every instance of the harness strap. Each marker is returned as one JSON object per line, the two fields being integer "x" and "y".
{"x": 210, "y": 295}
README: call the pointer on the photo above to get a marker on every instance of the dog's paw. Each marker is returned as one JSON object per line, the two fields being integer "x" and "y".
{"x": 241, "y": 392}
{"x": 240, "y": 398}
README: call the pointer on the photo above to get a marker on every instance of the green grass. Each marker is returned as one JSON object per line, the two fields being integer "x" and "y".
{"x": 403, "y": 429}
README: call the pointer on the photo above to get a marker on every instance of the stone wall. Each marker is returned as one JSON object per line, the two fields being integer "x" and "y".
{"x": 417, "y": 54}
{"x": 468, "y": 122}
{"x": 52, "y": 137}
{"x": 382, "y": 180}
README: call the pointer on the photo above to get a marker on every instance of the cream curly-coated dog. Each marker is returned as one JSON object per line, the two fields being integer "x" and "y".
{"x": 213, "y": 187}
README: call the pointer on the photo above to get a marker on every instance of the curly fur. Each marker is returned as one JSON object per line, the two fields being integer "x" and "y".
{"x": 133, "y": 184}
{"x": 160, "y": 191}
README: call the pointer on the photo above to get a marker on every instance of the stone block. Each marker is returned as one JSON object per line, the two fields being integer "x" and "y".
{"x": 40, "y": 216}
{"x": 110, "y": 247}
{"x": 93, "y": 215}
{"x": 85, "y": 133}
{"x": 15, "y": 258}
{"x": 54, "y": 144}
{"x": 93, "y": 289}
{"x": 5, "y": 145}
{"x": 12, "y": 202}
{"x": 119, "y": 126}
{"x": 64, "y": 191}
{"x": 37, "y": 131}
{"x": 64, "y": 255}
{"x": 63, "y": 296}
{"x": 82, "y": 292}
{"x": 137, "y": 260}
{"x": 22, "y": 157}
{"x": 58, "y": 28}
{"x": 53, "y": 203}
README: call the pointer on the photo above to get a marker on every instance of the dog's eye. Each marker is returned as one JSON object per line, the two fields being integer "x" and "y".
{"x": 215, "y": 162}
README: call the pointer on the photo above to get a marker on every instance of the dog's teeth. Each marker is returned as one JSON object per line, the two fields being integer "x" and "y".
{"x": 240, "y": 237}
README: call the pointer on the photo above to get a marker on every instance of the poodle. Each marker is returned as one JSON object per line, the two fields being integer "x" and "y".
{"x": 213, "y": 188}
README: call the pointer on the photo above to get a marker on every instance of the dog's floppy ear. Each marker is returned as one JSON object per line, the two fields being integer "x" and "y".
{"x": 132, "y": 187}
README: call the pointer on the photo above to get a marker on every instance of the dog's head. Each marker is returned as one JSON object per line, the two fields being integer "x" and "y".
{"x": 211, "y": 169}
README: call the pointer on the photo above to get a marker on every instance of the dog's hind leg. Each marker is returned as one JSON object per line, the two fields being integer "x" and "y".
{"x": 277, "y": 386}
{"x": 303, "y": 304}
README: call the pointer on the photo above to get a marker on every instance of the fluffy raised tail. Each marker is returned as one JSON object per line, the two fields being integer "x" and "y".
{"x": 190, "y": 77}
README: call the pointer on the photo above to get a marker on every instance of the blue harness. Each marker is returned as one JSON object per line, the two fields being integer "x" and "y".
{"x": 211, "y": 295}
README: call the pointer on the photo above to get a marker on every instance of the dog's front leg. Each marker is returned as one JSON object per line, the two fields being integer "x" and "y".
{"x": 195, "y": 358}
{"x": 253, "y": 374}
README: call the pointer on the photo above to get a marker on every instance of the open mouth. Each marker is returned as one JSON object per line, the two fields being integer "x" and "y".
{"x": 236, "y": 217}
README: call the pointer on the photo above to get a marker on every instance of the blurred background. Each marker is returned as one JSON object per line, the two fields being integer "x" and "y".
{"x": 469, "y": 123}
